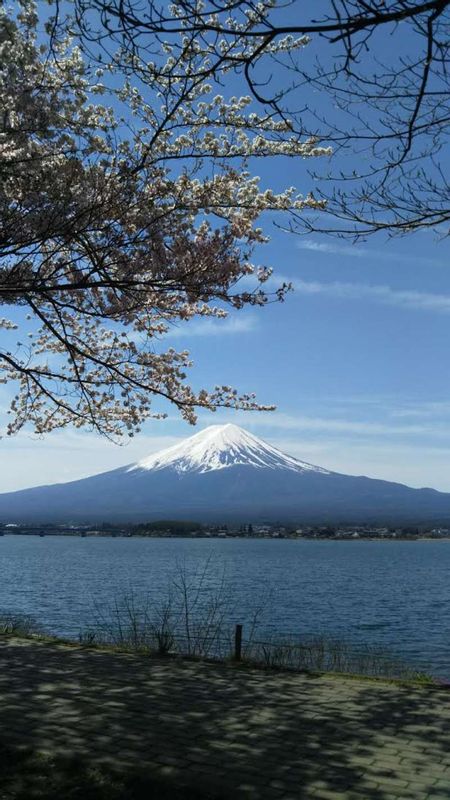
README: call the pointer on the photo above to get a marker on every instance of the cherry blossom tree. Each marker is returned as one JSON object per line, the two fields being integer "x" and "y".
{"x": 127, "y": 205}
{"x": 375, "y": 86}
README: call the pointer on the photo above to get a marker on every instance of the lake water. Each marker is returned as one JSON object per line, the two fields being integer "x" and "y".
{"x": 392, "y": 594}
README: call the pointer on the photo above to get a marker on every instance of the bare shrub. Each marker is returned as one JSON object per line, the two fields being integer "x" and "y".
{"x": 18, "y": 625}
{"x": 326, "y": 654}
{"x": 197, "y": 616}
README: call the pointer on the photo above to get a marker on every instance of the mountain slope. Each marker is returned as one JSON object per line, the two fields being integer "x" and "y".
{"x": 221, "y": 474}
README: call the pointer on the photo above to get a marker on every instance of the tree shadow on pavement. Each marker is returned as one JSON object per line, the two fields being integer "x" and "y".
{"x": 222, "y": 730}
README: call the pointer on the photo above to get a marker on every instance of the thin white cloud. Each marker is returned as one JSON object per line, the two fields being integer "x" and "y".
{"x": 403, "y": 463}
{"x": 69, "y": 455}
{"x": 333, "y": 249}
{"x": 409, "y": 299}
{"x": 328, "y": 425}
{"x": 354, "y": 251}
{"x": 215, "y": 327}
{"x": 399, "y": 298}
{"x": 364, "y": 428}
{"x": 432, "y": 409}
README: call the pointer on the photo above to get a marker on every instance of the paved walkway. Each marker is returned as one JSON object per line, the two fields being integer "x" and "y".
{"x": 241, "y": 732}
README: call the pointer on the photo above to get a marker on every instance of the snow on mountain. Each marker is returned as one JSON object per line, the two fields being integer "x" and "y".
{"x": 219, "y": 447}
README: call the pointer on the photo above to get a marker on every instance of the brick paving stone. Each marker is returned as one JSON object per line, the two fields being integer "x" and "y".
{"x": 330, "y": 794}
{"x": 422, "y": 787}
{"x": 442, "y": 785}
{"x": 438, "y": 796}
{"x": 248, "y": 733}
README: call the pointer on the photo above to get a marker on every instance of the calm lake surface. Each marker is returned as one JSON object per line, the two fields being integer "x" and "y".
{"x": 392, "y": 594}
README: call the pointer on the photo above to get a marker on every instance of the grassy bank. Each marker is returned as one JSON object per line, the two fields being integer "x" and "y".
{"x": 131, "y": 631}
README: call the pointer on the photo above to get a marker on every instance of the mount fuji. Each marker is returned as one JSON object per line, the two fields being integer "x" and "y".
{"x": 224, "y": 473}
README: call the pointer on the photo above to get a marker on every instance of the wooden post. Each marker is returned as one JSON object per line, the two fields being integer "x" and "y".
{"x": 238, "y": 643}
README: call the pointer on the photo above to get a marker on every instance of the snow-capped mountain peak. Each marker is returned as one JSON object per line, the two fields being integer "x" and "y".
{"x": 218, "y": 447}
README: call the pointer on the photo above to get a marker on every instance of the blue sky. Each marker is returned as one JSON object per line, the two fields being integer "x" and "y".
{"x": 356, "y": 360}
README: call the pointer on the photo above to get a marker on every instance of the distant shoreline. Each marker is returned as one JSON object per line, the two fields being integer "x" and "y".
{"x": 109, "y": 535}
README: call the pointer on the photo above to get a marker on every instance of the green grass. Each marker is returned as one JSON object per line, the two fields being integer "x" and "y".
{"x": 27, "y": 775}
